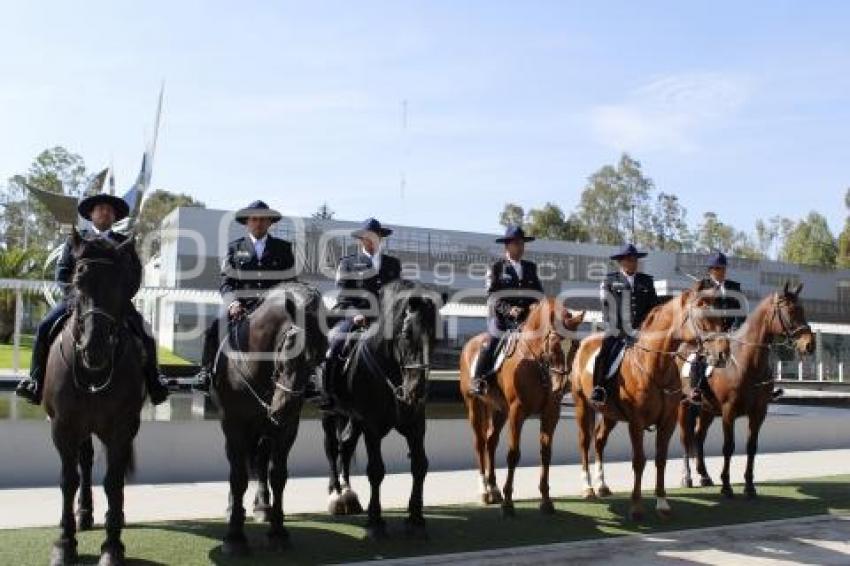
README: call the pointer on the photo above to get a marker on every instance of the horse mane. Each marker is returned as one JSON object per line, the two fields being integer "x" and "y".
{"x": 294, "y": 296}
{"x": 389, "y": 303}
{"x": 658, "y": 309}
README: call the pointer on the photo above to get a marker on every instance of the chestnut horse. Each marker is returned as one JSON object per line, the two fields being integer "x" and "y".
{"x": 744, "y": 387}
{"x": 531, "y": 381}
{"x": 649, "y": 391}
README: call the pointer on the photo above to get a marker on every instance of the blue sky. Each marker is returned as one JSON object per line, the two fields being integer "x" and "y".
{"x": 740, "y": 108}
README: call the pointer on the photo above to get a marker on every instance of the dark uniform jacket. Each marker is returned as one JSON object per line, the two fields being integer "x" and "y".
{"x": 630, "y": 305}
{"x": 356, "y": 276}
{"x": 729, "y": 302}
{"x": 503, "y": 277}
{"x": 246, "y": 277}
{"x": 66, "y": 264}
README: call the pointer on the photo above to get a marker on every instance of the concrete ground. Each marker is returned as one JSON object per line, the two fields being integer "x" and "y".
{"x": 40, "y": 506}
{"x": 811, "y": 540}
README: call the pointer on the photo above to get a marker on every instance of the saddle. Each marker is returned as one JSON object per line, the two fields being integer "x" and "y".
{"x": 505, "y": 348}
{"x": 614, "y": 361}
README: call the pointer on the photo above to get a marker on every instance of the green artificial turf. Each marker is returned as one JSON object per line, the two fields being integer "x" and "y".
{"x": 322, "y": 539}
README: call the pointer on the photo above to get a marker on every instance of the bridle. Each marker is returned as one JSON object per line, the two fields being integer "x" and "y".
{"x": 790, "y": 333}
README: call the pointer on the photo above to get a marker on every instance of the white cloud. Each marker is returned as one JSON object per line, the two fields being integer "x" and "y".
{"x": 669, "y": 113}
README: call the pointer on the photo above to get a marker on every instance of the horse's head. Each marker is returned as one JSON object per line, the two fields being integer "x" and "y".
{"x": 701, "y": 325}
{"x": 550, "y": 322}
{"x": 789, "y": 321}
{"x": 299, "y": 345}
{"x": 411, "y": 315}
{"x": 100, "y": 297}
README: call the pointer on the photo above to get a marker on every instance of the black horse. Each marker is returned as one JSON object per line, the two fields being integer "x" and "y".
{"x": 384, "y": 387}
{"x": 94, "y": 385}
{"x": 259, "y": 377}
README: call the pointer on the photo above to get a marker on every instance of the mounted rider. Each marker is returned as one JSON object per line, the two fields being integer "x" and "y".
{"x": 102, "y": 210}
{"x": 627, "y": 296}
{"x": 727, "y": 301}
{"x": 254, "y": 264}
{"x": 513, "y": 286}
{"x": 359, "y": 278}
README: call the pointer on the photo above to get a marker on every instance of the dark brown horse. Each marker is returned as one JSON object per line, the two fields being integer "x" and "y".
{"x": 531, "y": 381}
{"x": 648, "y": 390}
{"x": 259, "y": 387}
{"x": 745, "y": 386}
{"x": 94, "y": 385}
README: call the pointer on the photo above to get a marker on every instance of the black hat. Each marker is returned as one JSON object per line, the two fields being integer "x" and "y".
{"x": 257, "y": 208}
{"x": 629, "y": 250}
{"x": 371, "y": 225}
{"x": 717, "y": 259}
{"x": 514, "y": 233}
{"x": 118, "y": 204}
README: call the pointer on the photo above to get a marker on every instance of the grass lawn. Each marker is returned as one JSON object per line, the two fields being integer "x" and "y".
{"x": 166, "y": 356}
{"x": 320, "y": 539}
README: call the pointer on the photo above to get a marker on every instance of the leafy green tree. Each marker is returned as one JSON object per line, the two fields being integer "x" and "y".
{"x": 15, "y": 263}
{"x": 157, "y": 206}
{"x": 550, "y": 223}
{"x": 324, "y": 212}
{"x": 713, "y": 234}
{"x": 615, "y": 203}
{"x": 843, "y": 259}
{"x": 667, "y": 228}
{"x": 24, "y": 220}
{"x": 512, "y": 215}
{"x": 810, "y": 242}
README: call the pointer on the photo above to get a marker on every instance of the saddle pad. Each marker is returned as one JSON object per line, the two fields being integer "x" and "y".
{"x": 612, "y": 369}
{"x": 504, "y": 350}
{"x": 686, "y": 367}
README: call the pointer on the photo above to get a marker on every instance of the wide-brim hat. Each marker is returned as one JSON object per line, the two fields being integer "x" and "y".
{"x": 371, "y": 225}
{"x": 717, "y": 259}
{"x": 629, "y": 250}
{"x": 515, "y": 233}
{"x": 257, "y": 208}
{"x": 118, "y": 204}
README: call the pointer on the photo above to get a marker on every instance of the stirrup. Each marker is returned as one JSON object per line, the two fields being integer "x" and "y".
{"x": 478, "y": 386}
{"x": 599, "y": 396}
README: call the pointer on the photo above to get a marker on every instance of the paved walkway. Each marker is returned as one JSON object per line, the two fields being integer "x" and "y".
{"x": 812, "y": 540}
{"x": 40, "y": 507}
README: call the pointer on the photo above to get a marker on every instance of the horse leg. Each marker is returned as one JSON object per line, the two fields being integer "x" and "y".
{"x": 494, "y": 430}
{"x": 376, "y": 528}
{"x": 348, "y": 499}
{"x": 636, "y": 429}
{"x": 756, "y": 418}
{"x": 662, "y": 445}
{"x": 332, "y": 456}
{"x": 687, "y": 423}
{"x": 516, "y": 418}
{"x": 85, "y": 505}
{"x": 476, "y": 414}
{"x": 415, "y": 524}
{"x": 262, "y": 501}
{"x": 237, "y": 445}
{"x": 548, "y": 422}
{"x": 603, "y": 431}
{"x": 67, "y": 444}
{"x": 703, "y": 424}
{"x": 119, "y": 454}
{"x": 277, "y": 536}
{"x": 585, "y": 417}
{"x": 728, "y": 450}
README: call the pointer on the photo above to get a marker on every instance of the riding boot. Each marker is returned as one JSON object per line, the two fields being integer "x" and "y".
{"x": 327, "y": 374}
{"x": 697, "y": 377}
{"x": 484, "y": 367}
{"x": 30, "y": 388}
{"x": 157, "y": 390}
{"x": 203, "y": 379}
{"x": 599, "y": 395}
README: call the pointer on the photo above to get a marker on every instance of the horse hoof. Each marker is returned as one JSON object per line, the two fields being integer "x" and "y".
{"x": 687, "y": 482}
{"x": 63, "y": 554}
{"x": 350, "y": 503}
{"x": 547, "y": 507}
{"x": 263, "y": 513}
{"x": 750, "y": 492}
{"x": 726, "y": 491}
{"x": 415, "y": 529}
{"x": 636, "y": 514}
{"x": 112, "y": 555}
{"x": 376, "y": 531}
{"x": 706, "y": 481}
{"x": 664, "y": 513}
{"x": 235, "y": 546}
{"x": 85, "y": 521}
{"x": 603, "y": 491}
{"x": 493, "y": 497}
{"x": 508, "y": 510}
{"x": 588, "y": 493}
{"x": 278, "y": 539}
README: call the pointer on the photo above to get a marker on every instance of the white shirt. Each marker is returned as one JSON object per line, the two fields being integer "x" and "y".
{"x": 720, "y": 284}
{"x": 629, "y": 278}
{"x": 102, "y": 233}
{"x": 259, "y": 244}
{"x": 376, "y": 259}
{"x": 516, "y": 264}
